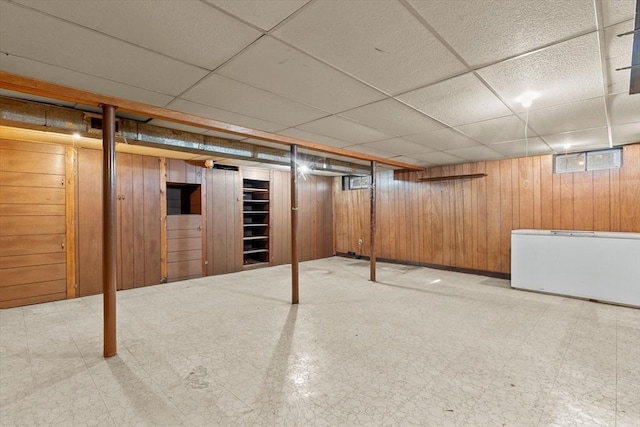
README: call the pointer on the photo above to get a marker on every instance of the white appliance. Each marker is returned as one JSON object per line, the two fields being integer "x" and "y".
{"x": 604, "y": 266}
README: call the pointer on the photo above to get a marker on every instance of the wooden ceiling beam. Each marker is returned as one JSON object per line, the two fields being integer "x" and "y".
{"x": 31, "y": 86}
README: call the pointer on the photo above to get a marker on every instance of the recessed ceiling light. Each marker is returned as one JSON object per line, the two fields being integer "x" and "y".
{"x": 567, "y": 146}
{"x": 526, "y": 99}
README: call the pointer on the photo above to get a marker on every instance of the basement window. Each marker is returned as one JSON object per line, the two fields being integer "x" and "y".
{"x": 183, "y": 199}
{"x": 353, "y": 182}
{"x": 610, "y": 158}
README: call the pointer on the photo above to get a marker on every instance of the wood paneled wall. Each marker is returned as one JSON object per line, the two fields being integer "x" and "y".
{"x": 315, "y": 217}
{"x": 138, "y": 211}
{"x": 224, "y": 221}
{"x": 184, "y": 247}
{"x": 467, "y": 223}
{"x": 33, "y": 264}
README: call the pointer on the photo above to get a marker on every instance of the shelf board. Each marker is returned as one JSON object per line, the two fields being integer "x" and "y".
{"x": 255, "y": 190}
{"x": 255, "y": 212}
{"x": 256, "y": 201}
{"x": 255, "y": 238}
{"x": 255, "y": 225}
{"x": 452, "y": 177}
{"x": 255, "y": 251}
{"x": 251, "y": 265}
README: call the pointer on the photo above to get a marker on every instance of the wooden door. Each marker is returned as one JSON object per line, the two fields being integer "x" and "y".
{"x": 138, "y": 215}
{"x": 32, "y": 223}
{"x": 224, "y": 221}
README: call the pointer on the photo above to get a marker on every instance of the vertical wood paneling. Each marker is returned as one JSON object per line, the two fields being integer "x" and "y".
{"x": 324, "y": 224}
{"x": 467, "y": 241}
{"x": 630, "y": 188}
{"x": 125, "y": 221}
{"x": 139, "y": 233}
{"x": 506, "y": 213}
{"x": 601, "y": 201}
{"x": 482, "y": 251}
{"x": 437, "y": 229}
{"x": 583, "y": 201}
{"x": 224, "y": 221}
{"x": 89, "y": 222}
{"x": 537, "y": 197}
{"x": 566, "y": 201}
{"x": 546, "y": 192}
{"x": 152, "y": 271}
{"x": 138, "y": 211}
{"x": 470, "y": 221}
{"x": 525, "y": 188}
{"x": 556, "y": 186}
{"x": 614, "y": 192}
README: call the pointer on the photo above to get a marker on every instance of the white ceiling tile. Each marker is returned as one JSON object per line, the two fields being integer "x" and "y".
{"x": 70, "y": 46}
{"x": 399, "y": 146}
{"x": 366, "y": 149}
{"x": 343, "y": 129}
{"x": 614, "y": 11}
{"x": 460, "y": 100}
{"x": 273, "y": 66}
{"x": 223, "y": 116}
{"x": 392, "y": 117}
{"x": 619, "y": 79}
{"x": 522, "y": 148}
{"x": 377, "y": 41}
{"x": 314, "y": 137}
{"x": 66, "y": 77}
{"x": 438, "y": 158}
{"x": 412, "y": 161}
{"x": 476, "y": 154}
{"x": 221, "y": 92}
{"x": 563, "y": 73}
{"x": 507, "y": 128}
{"x": 625, "y": 108}
{"x": 443, "y": 139}
{"x": 264, "y": 14}
{"x": 571, "y": 141}
{"x": 584, "y": 114}
{"x": 191, "y": 31}
{"x": 626, "y": 134}
{"x": 617, "y": 46}
{"x": 485, "y": 31}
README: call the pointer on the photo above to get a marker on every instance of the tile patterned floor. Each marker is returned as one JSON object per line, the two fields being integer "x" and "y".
{"x": 421, "y": 347}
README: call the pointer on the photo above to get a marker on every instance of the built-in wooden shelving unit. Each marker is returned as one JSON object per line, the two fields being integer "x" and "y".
{"x": 255, "y": 214}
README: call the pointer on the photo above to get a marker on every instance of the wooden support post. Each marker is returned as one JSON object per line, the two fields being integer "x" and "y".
{"x": 294, "y": 224}
{"x": 373, "y": 221}
{"x": 109, "y": 232}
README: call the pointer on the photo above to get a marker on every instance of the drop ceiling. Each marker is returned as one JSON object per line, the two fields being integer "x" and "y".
{"x": 419, "y": 81}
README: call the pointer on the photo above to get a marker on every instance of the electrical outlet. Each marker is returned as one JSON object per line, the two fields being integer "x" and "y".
{"x": 359, "y": 242}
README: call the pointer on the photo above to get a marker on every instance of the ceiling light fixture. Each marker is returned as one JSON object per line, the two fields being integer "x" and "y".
{"x": 526, "y": 99}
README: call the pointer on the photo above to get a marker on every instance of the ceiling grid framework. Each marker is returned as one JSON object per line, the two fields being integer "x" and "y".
{"x": 415, "y": 81}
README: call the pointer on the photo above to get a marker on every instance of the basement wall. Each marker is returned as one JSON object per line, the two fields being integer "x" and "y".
{"x": 51, "y": 221}
{"x": 467, "y": 223}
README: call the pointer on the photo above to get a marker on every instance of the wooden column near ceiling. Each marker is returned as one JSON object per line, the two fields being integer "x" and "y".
{"x": 373, "y": 221}
{"x": 294, "y": 224}
{"x": 109, "y": 230}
